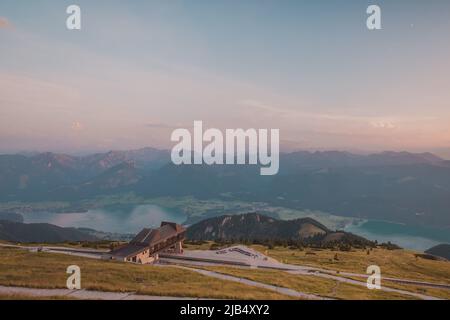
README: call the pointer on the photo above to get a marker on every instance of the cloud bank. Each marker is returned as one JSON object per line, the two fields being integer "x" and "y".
{"x": 4, "y": 23}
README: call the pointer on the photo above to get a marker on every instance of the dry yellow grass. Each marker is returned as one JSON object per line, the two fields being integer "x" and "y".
{"x": 310, "y": 284}
{"x": 48, "y": 270}
{"x": 22, "y": 268}
{"x": 435, "y": 292}
{"x": 393, "y": 263}
{"x": 201, "y": 245}
{"x": 25, "y": 297}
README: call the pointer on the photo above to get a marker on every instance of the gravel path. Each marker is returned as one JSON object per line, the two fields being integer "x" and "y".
{"x": 192, "y": 260}
{"x": 83, "y": 294}
{"x": 285, "y": 291}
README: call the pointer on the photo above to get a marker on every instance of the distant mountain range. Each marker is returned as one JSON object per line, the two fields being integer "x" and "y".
{"x": 255, "y": 226}
{"x": 403, "y": 187}
{"x": 11, "y": 216}
{"x": 441, "y": 250}
{"x": 13, "y": 229}
{"x": 40, "y": 232}
{"x": 55, "y": 176}
{"x": 293, "y": 162}
{"x": 251, "y": 226}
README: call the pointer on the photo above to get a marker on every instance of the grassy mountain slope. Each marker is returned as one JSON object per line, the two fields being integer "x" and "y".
{"x": 441, "y": 250}
{"x": 254, "y": 226}
{"x": 40, "y": 232}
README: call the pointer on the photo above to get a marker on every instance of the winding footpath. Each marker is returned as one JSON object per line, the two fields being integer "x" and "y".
{"x": 190, "y": 265}
{"x": 282, "y": 290}
{"x": 82, "y": 294}
{"x": 299, "y": 271}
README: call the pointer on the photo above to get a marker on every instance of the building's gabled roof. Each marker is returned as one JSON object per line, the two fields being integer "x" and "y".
{"x": 178, "y": 228}
{"x": 128, "y": 250}
{"x": 149, "y": 237}
{"x": 169, "y": 229}
{"x": 145, "y": 237}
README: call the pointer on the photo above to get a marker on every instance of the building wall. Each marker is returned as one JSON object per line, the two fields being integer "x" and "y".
{"x": 142, "y": 257}
{"x": 179, "y": 247}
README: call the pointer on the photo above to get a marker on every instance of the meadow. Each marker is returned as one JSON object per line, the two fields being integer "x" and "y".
{"x": 48, "y": 270}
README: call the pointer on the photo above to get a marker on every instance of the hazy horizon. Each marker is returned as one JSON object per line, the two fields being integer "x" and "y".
{"x": 444, "y": 154}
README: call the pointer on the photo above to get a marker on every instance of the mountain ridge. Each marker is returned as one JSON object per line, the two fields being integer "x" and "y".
{"x": 40, "y": 232}
{"x": 258, "y": 227}
{"x": 396, "y": 186}
{"x": 441, "y": 250}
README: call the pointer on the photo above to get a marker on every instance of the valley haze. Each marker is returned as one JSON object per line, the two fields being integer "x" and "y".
{"x": 391, "y": 186}
{"x": 225, "y": 149}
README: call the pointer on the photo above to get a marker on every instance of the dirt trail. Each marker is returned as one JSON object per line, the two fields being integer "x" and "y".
{"x": 83, "y": 294}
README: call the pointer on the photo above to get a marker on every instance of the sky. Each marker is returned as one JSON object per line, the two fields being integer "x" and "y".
{"x": 137, "y": 70}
